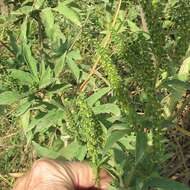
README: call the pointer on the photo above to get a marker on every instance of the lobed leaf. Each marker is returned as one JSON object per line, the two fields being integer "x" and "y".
{"x": 9, "y": 97}
{"x": 68, "y": 12}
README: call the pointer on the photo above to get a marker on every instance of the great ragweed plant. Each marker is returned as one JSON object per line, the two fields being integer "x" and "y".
{"x": 131, "y": 81}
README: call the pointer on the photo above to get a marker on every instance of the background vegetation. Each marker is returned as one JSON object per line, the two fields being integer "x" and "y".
{"x": 100, "y": 80}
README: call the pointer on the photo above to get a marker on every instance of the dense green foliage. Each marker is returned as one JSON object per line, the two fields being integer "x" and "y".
{"x": 98, "y": 80}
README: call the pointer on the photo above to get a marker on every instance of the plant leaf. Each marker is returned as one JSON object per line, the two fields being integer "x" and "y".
{"x": 141, "y": 146}
{"x": 30, "y": 60}
{"x": 70, "y": 59}
{"x": 69, "y": 13}
{"x": 47, "y": 18}
{"x": 22, "y": 76}
{"x": 45, "y": 152}
{"x": 74, "y": 151}
{"x": 107, "y": 108}
{"x": 166, "y": 184}
{"x": 23, "y": 107}
{"x": 66, "y": 2}
{"x": 51, "y": 118}
{"x": 184, "y": 70}
{"x": 52, "y": 29}
{"x": 113, "y": 138}
{"x": 9, "y": 97}
{"x": 97, "y": 95}
{"x": 38, "y": 4}
{"x": 46, "y": 78}
{"x": 59, "y": 65}
{"x": 23, "y": 10}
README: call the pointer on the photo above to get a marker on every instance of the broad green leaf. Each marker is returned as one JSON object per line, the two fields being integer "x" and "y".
{"x": 23, "y": 107}
{"x": 141, "y": 146}
{"x": 166, "y": 184}
{"x": 184, "y": 70}
{"x": 38, "y": 4}
{"x": 46, "y": 78}
{"x": 97, "y": 95}
{"x": 23, "y": 10}
{"x": 24, "y": 122}
{"x": 113, "y": 138}
{"x": 69, "y": 13}
{"x": 45, "y": 152}
{"x": 23, "y": 77}
{"x": 30, "y": 60}
{"x": 57, "y": 88}
{"x": 71, "y": 62}
{"x": 129, "y": 142}
{"x": 9, "y": 97}
{"x": 74, "y": 151}
{"x": 66, "y": 2}
{"x": 59, "y": 64}
{"x": 48, "y": 21}
{"x": 75, "y": 55}
{"x": 107, "y": 108}
{"x": 58, "y": 37}
{"x": 52, "y": 118}
{"x": 133, "y": 26}
{"x": 52, "y": 29}
{"x": 13, "y": 42}
{"x": 23, "y": 29}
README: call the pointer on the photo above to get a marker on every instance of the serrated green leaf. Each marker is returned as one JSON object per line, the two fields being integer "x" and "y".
{"x": 24, "y": 122}
{"x": 59, "y": 64}
{"x": 113, "y": 138}
{"x": 184, "y": 70}
{"x": 97, "y": 95}
{"x": 66, "y": 2}
{"x": 45, "y": 152}
{"x": 23, "y": 77}
{"x": 23, "y": 10}
{"x": 52, "y": 118}
{"x": 38, "y": 4}
{"x": 141, "y": 146}
{"x": 74, "y": 68}
{"x": 133, "y": 26}
{"x": 166, "y": 184}
{"x": 75, "y": 55}
{"x": 23, "y": 33}
{"x": 13, "y": 42}
{"x": 57, "y": 88}
{"x": 70, "y": 59}
{"x": 177, "y": 87}
{"x": 107, "y": 108}
{"x": 9, "y": 97}
{"x": 23, "y": 107}
{"x": 52, "y": 29}
{"x": 69, "y": 13}
{"x": 46, "y": 78}
{"x": 47, "y": 18}
{"x": 73, "y": 151}
{"x": 30, "y": 60}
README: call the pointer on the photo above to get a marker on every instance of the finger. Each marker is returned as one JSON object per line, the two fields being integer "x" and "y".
{"x": 105, "y": 179}
{"x": 20, "y": 183}
{"x": 83, "y": 176}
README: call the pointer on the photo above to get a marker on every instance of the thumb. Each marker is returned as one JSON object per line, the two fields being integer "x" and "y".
{"x": 83, "y": 176}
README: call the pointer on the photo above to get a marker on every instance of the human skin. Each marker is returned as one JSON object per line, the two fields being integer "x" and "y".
{"x": 47, "y": 174}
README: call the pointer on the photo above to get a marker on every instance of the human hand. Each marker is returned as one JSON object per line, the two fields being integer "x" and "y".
{"x": 53, "y": 175}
